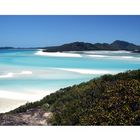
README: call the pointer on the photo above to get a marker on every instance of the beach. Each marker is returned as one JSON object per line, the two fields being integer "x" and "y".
{"x": 10, "y": 100}
{"x": 30, "y": 75}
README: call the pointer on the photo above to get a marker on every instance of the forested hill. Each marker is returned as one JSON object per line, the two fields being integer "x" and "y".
{"x": 108, "y": 100}
{"x": 82, "y": 46}
{"x": 4, "y": 48}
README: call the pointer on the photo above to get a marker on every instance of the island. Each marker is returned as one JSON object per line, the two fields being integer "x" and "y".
{"x": 82, "y": 46}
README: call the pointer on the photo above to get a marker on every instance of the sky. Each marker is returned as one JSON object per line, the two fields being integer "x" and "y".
{"x": 42, "y": 31}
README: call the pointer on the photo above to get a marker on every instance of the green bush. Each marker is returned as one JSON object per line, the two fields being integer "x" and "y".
{"x": 108, "y": 100}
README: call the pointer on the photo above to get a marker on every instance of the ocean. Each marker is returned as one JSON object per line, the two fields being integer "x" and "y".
{"x": 29, "y": 75}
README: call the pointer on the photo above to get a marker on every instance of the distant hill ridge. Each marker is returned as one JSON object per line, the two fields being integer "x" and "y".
{"x": 82, "y": 46}
{"x": 6, "y": 48}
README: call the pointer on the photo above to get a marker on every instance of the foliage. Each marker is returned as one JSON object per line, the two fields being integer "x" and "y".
{"x": 108, "y": 100}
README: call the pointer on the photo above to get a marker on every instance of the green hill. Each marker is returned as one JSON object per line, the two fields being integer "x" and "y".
{"x": 82, "y": 46}
{"x": 108, "y": 100}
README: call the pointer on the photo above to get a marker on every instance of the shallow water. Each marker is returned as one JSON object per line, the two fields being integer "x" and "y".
{"x": 28, "y": 75}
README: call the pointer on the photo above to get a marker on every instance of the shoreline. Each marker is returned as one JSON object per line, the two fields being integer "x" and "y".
{"x": 92, "y": 54}
{"x": 10, "y": 100}
{"x": 89, "y": 71}
{"x": 56, "y": 54}
{"x": 7, "y": 105}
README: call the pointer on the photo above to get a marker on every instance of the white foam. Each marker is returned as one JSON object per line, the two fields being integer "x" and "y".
{"x": 57, "y": 54}
{"x": 88, "y": 71}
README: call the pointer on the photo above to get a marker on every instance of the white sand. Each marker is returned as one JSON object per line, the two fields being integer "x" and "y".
{"x": 88, "y": 71}
{"x": 106, "y": 52}
{"x": 115, "y": 57}
{"x": 127, "y": 57}
{"x": 10, "y": 99}
{"x": 94, "y": 54}
{"x": 28, "y": 95}
{"x": 57, "y": 54}
{"x": 100, "y": 56}
{"x": 8, "y": 75}
{"x": 12, "y": 74}
{"x": 10, "y": 104}
{"x": 25, "y": 72}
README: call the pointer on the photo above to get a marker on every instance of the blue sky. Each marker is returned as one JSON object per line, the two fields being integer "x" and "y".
{"x": 40, "y": 31}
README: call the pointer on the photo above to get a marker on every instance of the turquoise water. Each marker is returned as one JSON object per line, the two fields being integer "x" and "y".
{"x": 26, "y": 71}
{"x": 29, "y": 75}
{"x": 44, "y": 68}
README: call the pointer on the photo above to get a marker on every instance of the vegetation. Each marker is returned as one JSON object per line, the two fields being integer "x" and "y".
{"x": 81, "y": 46}
{"x": 108, "y": 100}
{"x": 4, "y": 48}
